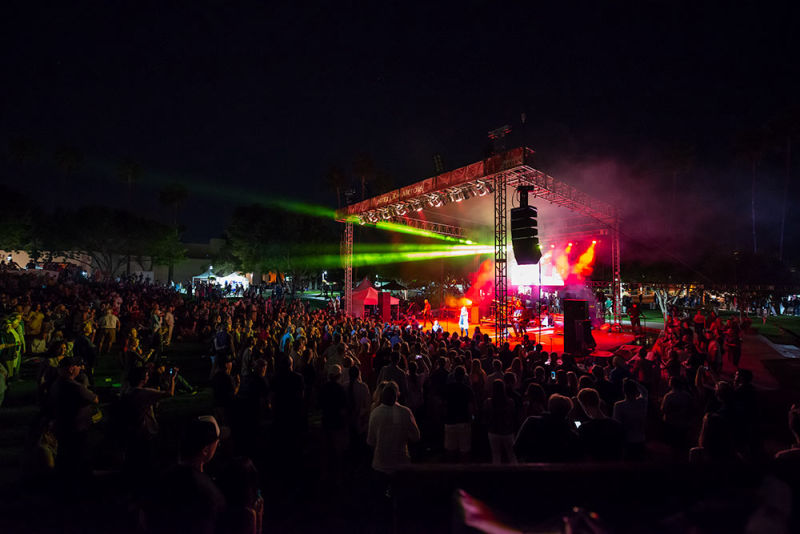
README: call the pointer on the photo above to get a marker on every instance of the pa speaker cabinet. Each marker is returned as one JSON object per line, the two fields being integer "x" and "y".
{"x": 575, "y": 313}
{"x": 525, "y": 235}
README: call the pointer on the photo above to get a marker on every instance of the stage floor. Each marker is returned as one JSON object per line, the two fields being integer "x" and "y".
{"x": 606, "y": 340}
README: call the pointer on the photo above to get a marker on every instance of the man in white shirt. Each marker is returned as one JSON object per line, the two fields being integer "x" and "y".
{"x": 169, "y": 320}
{"x": 109, "y": 327}
{"x": 391, "y": 427}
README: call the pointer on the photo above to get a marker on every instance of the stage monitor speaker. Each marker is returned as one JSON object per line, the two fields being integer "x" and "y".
{"x": 385, "y": 306}
{"x": 575, "y": 313}
{"x": 525, "y": 235}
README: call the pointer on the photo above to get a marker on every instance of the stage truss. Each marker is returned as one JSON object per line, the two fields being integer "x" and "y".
{"x": 492, "y": 175}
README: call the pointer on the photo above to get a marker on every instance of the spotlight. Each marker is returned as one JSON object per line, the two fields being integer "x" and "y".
{"x": 436, "y": 201}
{"x": 480, "y": 189}
{"x": 386, "y": 215}
{"x": 456, "y": 195}
{"x": 401, "y": 209}
{"x": 594, "y": 241}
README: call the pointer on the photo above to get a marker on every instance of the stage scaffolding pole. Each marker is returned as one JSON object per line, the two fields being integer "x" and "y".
{"x": 616, "y": 273}
{"x": 500, "y": 257}
{"x": 347, "y": 254}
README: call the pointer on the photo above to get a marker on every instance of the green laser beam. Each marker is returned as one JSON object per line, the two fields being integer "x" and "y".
{"x": 248, "y": 197}
{"x": 360, "y": 260}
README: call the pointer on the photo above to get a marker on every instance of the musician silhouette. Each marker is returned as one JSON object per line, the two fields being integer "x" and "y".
{"x": 426, "y": 314}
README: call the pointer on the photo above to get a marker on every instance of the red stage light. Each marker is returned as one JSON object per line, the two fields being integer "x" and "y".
{"x": 594, "y": 242}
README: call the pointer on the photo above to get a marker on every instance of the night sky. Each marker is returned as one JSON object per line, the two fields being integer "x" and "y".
{"x": 263, "y": 97}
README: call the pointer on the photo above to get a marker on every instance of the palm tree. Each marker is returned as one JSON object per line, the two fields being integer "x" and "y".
{"x": 364, "y": 169}
{"x": 23, "y": 150}
{"x": 172, "y": 196}
{"x": 69, "y": 161}
{"x": 336, "y": 180}
{"x": 129, "y": 172}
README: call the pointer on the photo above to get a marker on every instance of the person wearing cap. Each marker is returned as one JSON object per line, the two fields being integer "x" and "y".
{"x": 141, "y": 425}
{"x": 186, "y": 499}
{"x": 70, "y": 405}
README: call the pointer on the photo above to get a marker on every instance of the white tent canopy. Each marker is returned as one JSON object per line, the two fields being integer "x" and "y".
{"x": 232, "y": 278}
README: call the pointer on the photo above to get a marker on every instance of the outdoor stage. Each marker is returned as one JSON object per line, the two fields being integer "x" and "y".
{"x": 552, "y": 339}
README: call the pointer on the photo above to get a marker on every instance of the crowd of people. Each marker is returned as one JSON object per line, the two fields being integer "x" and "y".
{"x": 382, "y": 394}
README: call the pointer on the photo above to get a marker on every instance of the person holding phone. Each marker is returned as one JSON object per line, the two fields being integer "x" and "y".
{"x": 139, "y": 422}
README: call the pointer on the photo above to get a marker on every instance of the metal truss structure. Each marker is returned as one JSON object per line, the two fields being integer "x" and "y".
{"x": 433, "y": 227}
{"x": 347, "y": 261}
{"x": 500, "y": 259}
{"x": 511, "y": 168}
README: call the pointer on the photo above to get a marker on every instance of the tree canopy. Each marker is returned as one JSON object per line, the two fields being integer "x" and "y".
{"x": 268, "y": 239}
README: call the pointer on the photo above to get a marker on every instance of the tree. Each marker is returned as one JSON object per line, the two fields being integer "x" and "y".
{"x": 172, "y": 196}
{"x": 109, "y": 237}
{"x": 23, "y": 150}
{"x": 129, "y": 172}
{"x": 336, "y": 180}
{"x": 69, "y": 161}
{"x": 16, "y": 220}
{"x": 267, "y": 239}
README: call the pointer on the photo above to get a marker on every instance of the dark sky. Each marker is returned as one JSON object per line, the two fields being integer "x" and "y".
{"x": 262, "y": 97}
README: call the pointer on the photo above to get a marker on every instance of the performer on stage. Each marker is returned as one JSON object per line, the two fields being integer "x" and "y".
{"x": 463, "y": 321}
{"x": 520, "y": 318}
{"x": 426, "y": 314}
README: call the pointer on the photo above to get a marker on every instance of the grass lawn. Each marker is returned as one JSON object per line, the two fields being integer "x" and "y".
{"x": 779, "y": 329}
{"x": 20, "y": 409}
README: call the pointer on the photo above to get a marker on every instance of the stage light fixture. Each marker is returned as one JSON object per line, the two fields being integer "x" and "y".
{"x": 386, "y": 214}
{"x": 436, "y": 201}
{"x": 480, "y": 189}
{"x": 419, "y": 206}
{"x": 401, "y": 209}
{"x": 456, "y": 195}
